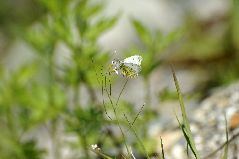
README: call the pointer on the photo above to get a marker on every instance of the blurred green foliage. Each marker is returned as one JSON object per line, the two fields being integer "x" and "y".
{"x": 36, "y": 94}
{"x": 153, "y": 44}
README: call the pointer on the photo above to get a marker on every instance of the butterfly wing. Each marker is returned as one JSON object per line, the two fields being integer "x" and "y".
{"x": 136, "y": 59}
{"x": 130, "y": 70}
{"x": 129, "y": 67}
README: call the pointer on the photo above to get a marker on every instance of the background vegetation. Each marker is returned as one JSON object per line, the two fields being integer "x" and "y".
{"x": 44, "y": 95}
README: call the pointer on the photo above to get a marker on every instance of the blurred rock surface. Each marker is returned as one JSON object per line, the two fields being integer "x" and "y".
{"x": 208, "y": 126}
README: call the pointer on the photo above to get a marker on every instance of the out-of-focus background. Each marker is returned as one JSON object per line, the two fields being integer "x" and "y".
{"x": 55, "y": 55}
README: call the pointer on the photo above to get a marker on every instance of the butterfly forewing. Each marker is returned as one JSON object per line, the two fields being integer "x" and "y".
{"x": 136, "y": 59}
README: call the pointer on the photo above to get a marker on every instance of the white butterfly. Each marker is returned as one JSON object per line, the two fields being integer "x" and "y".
{"x": 129, "y": 67}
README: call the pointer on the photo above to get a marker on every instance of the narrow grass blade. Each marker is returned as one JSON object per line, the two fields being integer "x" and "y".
{"x": 185, "y": 123}
{"x": 162, "y": 147}
{"x": 225, "y": 155}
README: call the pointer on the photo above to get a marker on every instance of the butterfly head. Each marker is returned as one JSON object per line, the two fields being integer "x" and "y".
{"x": 115, "y": 66}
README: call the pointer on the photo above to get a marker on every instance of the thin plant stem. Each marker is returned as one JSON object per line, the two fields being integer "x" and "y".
{"x": 51, "y": 103}
{"x": 84, "y": 144}
{"x": 101, "y": 154}
{"x": 102, "y": 90}
{"x": 103, "y": 101}
{"x": 221, "y": 146}
{"x": 141, "y": 109}
{"x": 91, "y": 91}
{"x": 117, "y": 119}
{"x": 54, "y": 137}
{"x": 147, "y": 90}
{"x": 225, "y": 155}
{"x": 121, "y": 91}
{"x": 136, "y": 135}
{"x": 162, "y": 147}
{"x": 136, "y": 117}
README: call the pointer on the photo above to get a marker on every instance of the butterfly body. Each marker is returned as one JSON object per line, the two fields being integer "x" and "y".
{"x": 129, "y": 67}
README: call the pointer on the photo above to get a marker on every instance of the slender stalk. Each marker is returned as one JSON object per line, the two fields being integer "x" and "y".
{"x": 84, "y": 143}
{"x": 221, "y": 146}
{"x": 121, "y": 91}
{"x": 141, "y": 109}
{"x": 51, "y": 103}
{"x": 104, "y": 88}
{"x": 91, "y": 91}
{"x": 101, "y": 154}
{"x": 55, "y": 139}
{"x": 117, "y": 119}
{"x": 136, "y": 135}
{"x": 147, "y": 91}
{"x": 161, "y": 141}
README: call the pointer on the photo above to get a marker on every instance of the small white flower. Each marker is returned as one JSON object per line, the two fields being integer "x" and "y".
{"x": 132, "y": 153}
{"x": 94, "y": 146}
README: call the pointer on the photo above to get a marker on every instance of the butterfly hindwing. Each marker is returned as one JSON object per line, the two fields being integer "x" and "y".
{"x": 130, "y": 70}
{"x": 129, "y": 67}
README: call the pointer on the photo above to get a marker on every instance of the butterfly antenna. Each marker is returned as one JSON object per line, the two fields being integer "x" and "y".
{"x": 114, "y": 54}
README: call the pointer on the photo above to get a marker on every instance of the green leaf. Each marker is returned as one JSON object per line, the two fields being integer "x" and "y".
{"x": 56, "y": 7}
{"x": 166, "y": 94}
{"x": 166, "y": 40}
{"x": 25, "y": 74}
{"x": 92, "y": 10}
{"x": 185, "y": 123}
{"x": 40, "y": 38}
{"x": 95, "y": 30}
{"x": 85, "y": 121}
{"x": 142, "y": 31}
{"x": 30, "y": 150}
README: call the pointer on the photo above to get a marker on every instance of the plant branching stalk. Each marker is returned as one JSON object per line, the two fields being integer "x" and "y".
{"x": 117, "y": 102}
{"x": 91, "y": 92}
{"x": 136, "y": 135}
{"x": 51, "y": 103}
{"x": 55, "y": 139}
{"x": 117, "y": 119}
{"x": 84, "y": 143}
{"x": 147, "y": 90}
{"x": 101, "y": 154}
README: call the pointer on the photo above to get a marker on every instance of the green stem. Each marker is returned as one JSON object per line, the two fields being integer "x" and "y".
{"x": 55, "y": 139}
{"x": 51, "y": 103}
{"x": 84, "y": 143}
{"x": 117, "y": 119}
{"x": 101, "y": 154}
{"x": 147, "y": 91}
{"x": 136, "y": 135}
{"x": 91, "y": 91}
